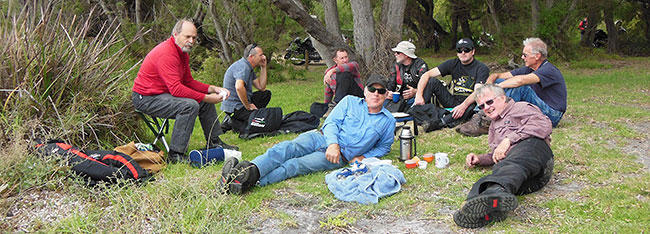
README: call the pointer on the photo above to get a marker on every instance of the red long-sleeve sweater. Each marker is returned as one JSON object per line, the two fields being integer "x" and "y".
{"x": 166, "y": 69}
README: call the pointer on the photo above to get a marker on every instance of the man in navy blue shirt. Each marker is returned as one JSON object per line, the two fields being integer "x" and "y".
{"x": 539, "y": 83}
{"x": 357, "y": 128}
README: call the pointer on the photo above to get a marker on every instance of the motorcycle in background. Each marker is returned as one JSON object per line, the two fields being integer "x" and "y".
{"x": 298, "y": 49}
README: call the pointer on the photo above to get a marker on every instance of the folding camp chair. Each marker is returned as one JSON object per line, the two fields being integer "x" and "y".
{"x": 157, "y": 126}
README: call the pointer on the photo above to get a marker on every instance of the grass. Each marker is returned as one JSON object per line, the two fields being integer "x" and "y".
{"x": 597, "y": 184}
{"x": 609, "y": 194}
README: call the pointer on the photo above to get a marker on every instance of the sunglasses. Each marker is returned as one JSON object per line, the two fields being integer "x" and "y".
{"x": 248, "y": 49}
{"x": 461, "y": 50}
{"x": 488, "y": 102}
{"x": 373, "y": 89}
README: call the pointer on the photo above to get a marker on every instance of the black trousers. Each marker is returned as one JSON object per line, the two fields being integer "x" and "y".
{"x": 345, "y": 85}
{"x": 436, "y": 89}
{"x": 240, "y": 116}
{"x": 527, "y": 168}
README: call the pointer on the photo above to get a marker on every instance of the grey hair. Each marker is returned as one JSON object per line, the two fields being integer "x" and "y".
{"x": 250, "y": 50}
{"x": 537, "y": 46}
{"x": 179, "y": 25}
{"x": 495, "y": 89}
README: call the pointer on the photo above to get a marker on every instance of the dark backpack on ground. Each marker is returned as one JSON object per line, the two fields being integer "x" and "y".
{"x": 262, "y": 121}
{"x": 299, "y": 121}
{"x": 432, "y": 117}
{"x": 95, "y": 165}
{"x": 294, "y": 122}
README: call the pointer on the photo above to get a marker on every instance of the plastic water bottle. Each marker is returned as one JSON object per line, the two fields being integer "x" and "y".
{"x": 406, "y": 144}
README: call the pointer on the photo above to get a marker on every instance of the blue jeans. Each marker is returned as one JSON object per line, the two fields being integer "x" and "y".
{"x": 303, "y": 155}
{"x": 527, "y": 94}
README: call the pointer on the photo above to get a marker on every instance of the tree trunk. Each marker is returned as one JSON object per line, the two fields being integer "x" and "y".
{"x": 573, "y": 5}
{"x": 313, "y": 27}
{"x": 494, "y": 16}
{"x": 592, "y": 21}
{"x": 454, "y": 30}
{"x": 244, "y": 37}
{"x": 393, "y": 16}
{"x": 420, "y": 20}
{"x": 534, "y": 13}
{"x": 333, "y": 26}
{"x": 226, "y": 52}
{"x": 364, "y": 30}
{"x": 204, "y": 40}
{"x": 138, "y": 19}
{"x": 612, "y": 30}
{"x": 645, "y": 17}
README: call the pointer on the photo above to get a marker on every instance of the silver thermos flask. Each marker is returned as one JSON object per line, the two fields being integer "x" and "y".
{"x": 406, "y": 144}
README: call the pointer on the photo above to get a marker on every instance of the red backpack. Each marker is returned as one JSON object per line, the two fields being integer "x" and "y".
{"x": 95, "y": 165}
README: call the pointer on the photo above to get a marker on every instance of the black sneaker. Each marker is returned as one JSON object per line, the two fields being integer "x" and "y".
{"x": 466, "y": 221}
{"x": 226, "y": 175}
{"x": 226, "y": 125}
{"x": 247, "y": 176}
{"x": 219, "y": 143}
{"x": 176, "y": 157}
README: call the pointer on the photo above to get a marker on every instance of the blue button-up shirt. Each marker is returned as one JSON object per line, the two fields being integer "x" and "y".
{"x": 357, "y": 131}
{"x": 240, "y": 70}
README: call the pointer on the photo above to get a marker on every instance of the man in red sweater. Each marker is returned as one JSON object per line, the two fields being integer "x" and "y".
{"x": 165, "y": 88}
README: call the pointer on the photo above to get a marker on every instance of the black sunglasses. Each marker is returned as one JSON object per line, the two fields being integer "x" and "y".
{"x": 488, "y": 102}
{"x": 248, "y": 49}
{"x": 466, "y": 50}
{"x": 373, "y": 89}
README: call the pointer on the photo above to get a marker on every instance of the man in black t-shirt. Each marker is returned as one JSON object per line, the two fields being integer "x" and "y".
{"x": 465, "y": 73}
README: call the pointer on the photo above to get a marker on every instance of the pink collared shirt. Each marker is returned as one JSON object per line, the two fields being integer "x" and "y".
{"x": 517, "y": 122}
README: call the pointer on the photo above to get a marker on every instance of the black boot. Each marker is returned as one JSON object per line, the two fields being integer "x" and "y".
{"x": 494, "y": 198}
{"x": 219, "y": 143}
{"x": 176, "y": 157}
{"x": 226, "y": 125}
{"x": 246, "y": 176}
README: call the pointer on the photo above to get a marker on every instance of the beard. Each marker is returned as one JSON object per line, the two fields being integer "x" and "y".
{"x": 187, "y": 48}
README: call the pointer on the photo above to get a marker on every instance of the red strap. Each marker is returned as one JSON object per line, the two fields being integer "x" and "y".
{"x": 123, "y": 161}
{"x": 399, "y": 75}
{"x": 77, "y": 152}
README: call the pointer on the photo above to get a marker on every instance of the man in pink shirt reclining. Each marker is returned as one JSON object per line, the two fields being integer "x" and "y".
{"x": 519, "y": 139}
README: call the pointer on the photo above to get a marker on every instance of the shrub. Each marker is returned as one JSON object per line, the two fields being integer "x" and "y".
{"x": 69, "y": 84}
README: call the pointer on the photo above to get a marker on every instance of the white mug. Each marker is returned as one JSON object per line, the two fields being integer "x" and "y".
{"x": 442, "y": 160}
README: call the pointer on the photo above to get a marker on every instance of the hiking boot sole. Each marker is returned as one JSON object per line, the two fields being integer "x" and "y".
{"x": 481, "y": 205}
{"x": 226, "y": 176}
{"x": 465, "y": 221}
{"x": 242, "y": 174}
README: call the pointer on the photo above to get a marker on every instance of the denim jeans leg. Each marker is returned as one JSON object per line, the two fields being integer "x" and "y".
{"x": 299, "y": 156}
{"x": 527, "y": 94}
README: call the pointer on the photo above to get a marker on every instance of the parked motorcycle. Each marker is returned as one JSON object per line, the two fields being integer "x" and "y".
{"x": 297, "y": 50}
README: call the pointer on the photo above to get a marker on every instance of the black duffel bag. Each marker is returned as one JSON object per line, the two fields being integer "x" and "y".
{"x": 263, "y": 120}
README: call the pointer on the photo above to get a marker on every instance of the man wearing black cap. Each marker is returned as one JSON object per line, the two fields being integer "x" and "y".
{"x": 357, "y": 128}
{"x": 465, "y": 73}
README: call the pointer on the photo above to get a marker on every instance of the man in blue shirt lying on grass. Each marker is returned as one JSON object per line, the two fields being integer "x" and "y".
{"x": 355, "y": 129}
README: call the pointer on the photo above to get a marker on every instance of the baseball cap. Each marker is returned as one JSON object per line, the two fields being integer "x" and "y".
{"x": 407, "y": 48}
{"x": 376, "y": 79}
{"x": 465, "y": 43}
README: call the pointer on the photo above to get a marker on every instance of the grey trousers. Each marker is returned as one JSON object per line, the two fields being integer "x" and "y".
{"x": 184, "y": 110}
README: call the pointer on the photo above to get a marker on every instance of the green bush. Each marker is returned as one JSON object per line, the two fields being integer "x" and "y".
{"x": 68, "y": 84}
